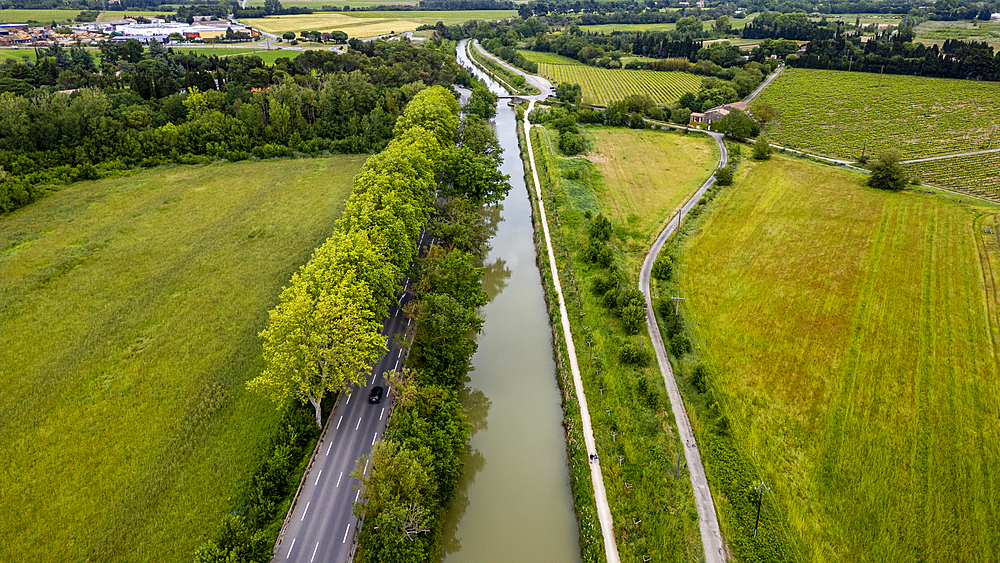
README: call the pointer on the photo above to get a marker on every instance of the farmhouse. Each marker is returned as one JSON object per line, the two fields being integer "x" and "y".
{"x": 719, "y": 112}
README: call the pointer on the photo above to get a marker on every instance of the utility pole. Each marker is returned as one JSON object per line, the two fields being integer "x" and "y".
{"x": 760, "y": 497}
{"x": 990, "y": 144}
{"x": 863, "y": 147}
{"x": 677, "y": 304}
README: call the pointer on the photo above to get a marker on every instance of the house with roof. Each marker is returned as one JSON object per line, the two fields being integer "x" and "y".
{"x": 718, "y": 113}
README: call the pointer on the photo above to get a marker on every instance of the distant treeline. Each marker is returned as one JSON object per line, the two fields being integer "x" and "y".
{"x": 897, "y": 54}
{"x": 235, "y": 108}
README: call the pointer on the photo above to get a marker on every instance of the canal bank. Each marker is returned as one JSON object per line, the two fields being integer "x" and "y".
{"x": 514, "y": 501}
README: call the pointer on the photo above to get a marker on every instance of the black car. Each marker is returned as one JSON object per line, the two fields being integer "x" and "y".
{"x": 376, "y": 395}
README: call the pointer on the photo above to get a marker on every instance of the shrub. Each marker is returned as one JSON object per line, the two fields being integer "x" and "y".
{"x": 600, "y": 228}
{"x": 762, "y": 149}
{"x": 724, "y": 176}
{"x": 663, "y": 267}
{"x": 630, "y": 297}
{"x": 573, "y": 143}
{"x": 600, "y": 285}
{"x": 598, "y": 254}
{"x": 698, "y": 378}
{"x": 633, "y": 317}
{"x": 679, "y": 344}
{"x": 610, "y": 299}
{"x": 887, "y": 172}
{"x": 631, "y": 355}
{"x": 681, "y": 116}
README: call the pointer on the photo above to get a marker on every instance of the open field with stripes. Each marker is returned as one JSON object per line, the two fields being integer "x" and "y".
{"x": 601, "y": 86}
{"x": 851, "y": 338}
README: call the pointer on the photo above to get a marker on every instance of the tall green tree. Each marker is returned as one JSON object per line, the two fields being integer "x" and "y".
{"x": 321, "y": 337}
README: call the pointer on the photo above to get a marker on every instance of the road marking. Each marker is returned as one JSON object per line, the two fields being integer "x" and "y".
{"x": 397, "y": 366}
{"x": 408, "y": 322}
{"x": 357, "y": 495}
{"x": 359, "y": 423}
{"x": 290, "y": 548}
{"x": 328, "y": 448}
{"x": 380, "y": 414}
{"x": 317, "y": 477}
{"x": 339, "y": 478}
{"x": 337, "y": 428}
{"x": 348, "y": 399}
{"x": 399, "y": 353}
{"x": 365, "y": 472}
{"x": 304, "y": 512}
{"x": 374, "y": 376}
{"x": 345, "y": 533}
{"x": 373, "y": 438}
{"x": 314, "y": 552}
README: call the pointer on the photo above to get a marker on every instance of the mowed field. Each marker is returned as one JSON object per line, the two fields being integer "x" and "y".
{"x": 44, "y": 17}
{"x": 647, "y": 175}
{"x": 977, "y": 175}
{"x": 851, "y": 338}
{"x": 129, "y": 313}
{"x": 836, "y": 113}
{"x": 367, "y": 24}
{"x": 601, "y": 86}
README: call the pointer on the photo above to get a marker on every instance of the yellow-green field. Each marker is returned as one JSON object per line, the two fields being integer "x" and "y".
{"x": 602, "y": 86}
{"x": 367, "y": 24}
{"x": 129, "y": 313}
{"x": 45, "y": 17}
{"x": 851, "y": 337}
{"x": 646, "y": 176}
{"x": 633, "y": 27}
{"x": 936, "y": 32}
{"x": 549, "y": 58}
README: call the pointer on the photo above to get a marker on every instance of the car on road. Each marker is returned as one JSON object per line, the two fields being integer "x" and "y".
{"x": 376, "y": 395}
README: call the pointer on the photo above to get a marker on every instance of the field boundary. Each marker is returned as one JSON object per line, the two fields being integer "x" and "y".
{"x": 708, "y": 520}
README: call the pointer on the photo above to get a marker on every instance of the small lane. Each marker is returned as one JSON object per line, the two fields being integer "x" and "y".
{"x": 322, "y": 523}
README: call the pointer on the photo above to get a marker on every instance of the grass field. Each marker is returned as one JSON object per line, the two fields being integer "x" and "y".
{"x": 601, "y": 86}
{"x": 17, "y": 54}
{"x": 129, "y": 313}
{"x": 315, "y": 4}
{"x": 609, "y": 27}
{"x": 851, "y": 338}
{"x": 548, "y": 58}
{"x": 44, "y": 17}
{"x": 653, "y": 508}
{"x": 977, "y": 175}
{"x": 835, "y": 113}
{"x": 366, "y": 24}
{"x": 267, "y": 55}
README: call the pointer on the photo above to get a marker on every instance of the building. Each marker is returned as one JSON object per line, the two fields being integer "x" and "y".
{"x": 719, "y": 112}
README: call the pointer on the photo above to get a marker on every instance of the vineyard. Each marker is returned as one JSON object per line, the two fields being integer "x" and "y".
{"x": 846, "y": 113}
{"x": 977, "y": 175}
{"x": 601, "y": 86}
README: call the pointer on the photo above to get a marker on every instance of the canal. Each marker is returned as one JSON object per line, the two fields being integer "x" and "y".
{"x": 514, "y": 501}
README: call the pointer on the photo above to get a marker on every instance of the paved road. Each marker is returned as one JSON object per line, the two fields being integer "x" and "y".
{"x": 944, "y": 156}
{"x": 708, "y": 522}
{"x": 596, "y": 476}
{"x": 764, "y": 84}
{"x": 321, "y": 525}
{"x": 543, "y": 85}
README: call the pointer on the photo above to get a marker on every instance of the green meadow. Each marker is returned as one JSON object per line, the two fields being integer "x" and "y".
{"x": 129, "y": 313}
{"x": 851, "y": 339}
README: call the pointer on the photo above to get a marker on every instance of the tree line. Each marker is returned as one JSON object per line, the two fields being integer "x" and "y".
{"x": 130, "y": 112}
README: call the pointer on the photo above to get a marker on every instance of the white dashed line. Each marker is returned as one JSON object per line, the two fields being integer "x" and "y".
{"x": 397, "y": 367}
{"x": 348, "y": 399}
{"x": 374, "y": 376}
{"x": 359, "y": 423}
{"x": 317, "y": 477}
{"x": 357, "y": 495}
{"x": 337, "y": 428}
{"x": 382, "y": 413}
{"x": 345, "y": 533}
{"x": 365, "y": 472}
{"x": 373, "y": 438}
{"x": 290, "y": 548}
{"x": 314, "y": 552}
{"x": 328, "y": 448}
{"x": 304, "y": 512}
{"x": 339, "y": 478}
